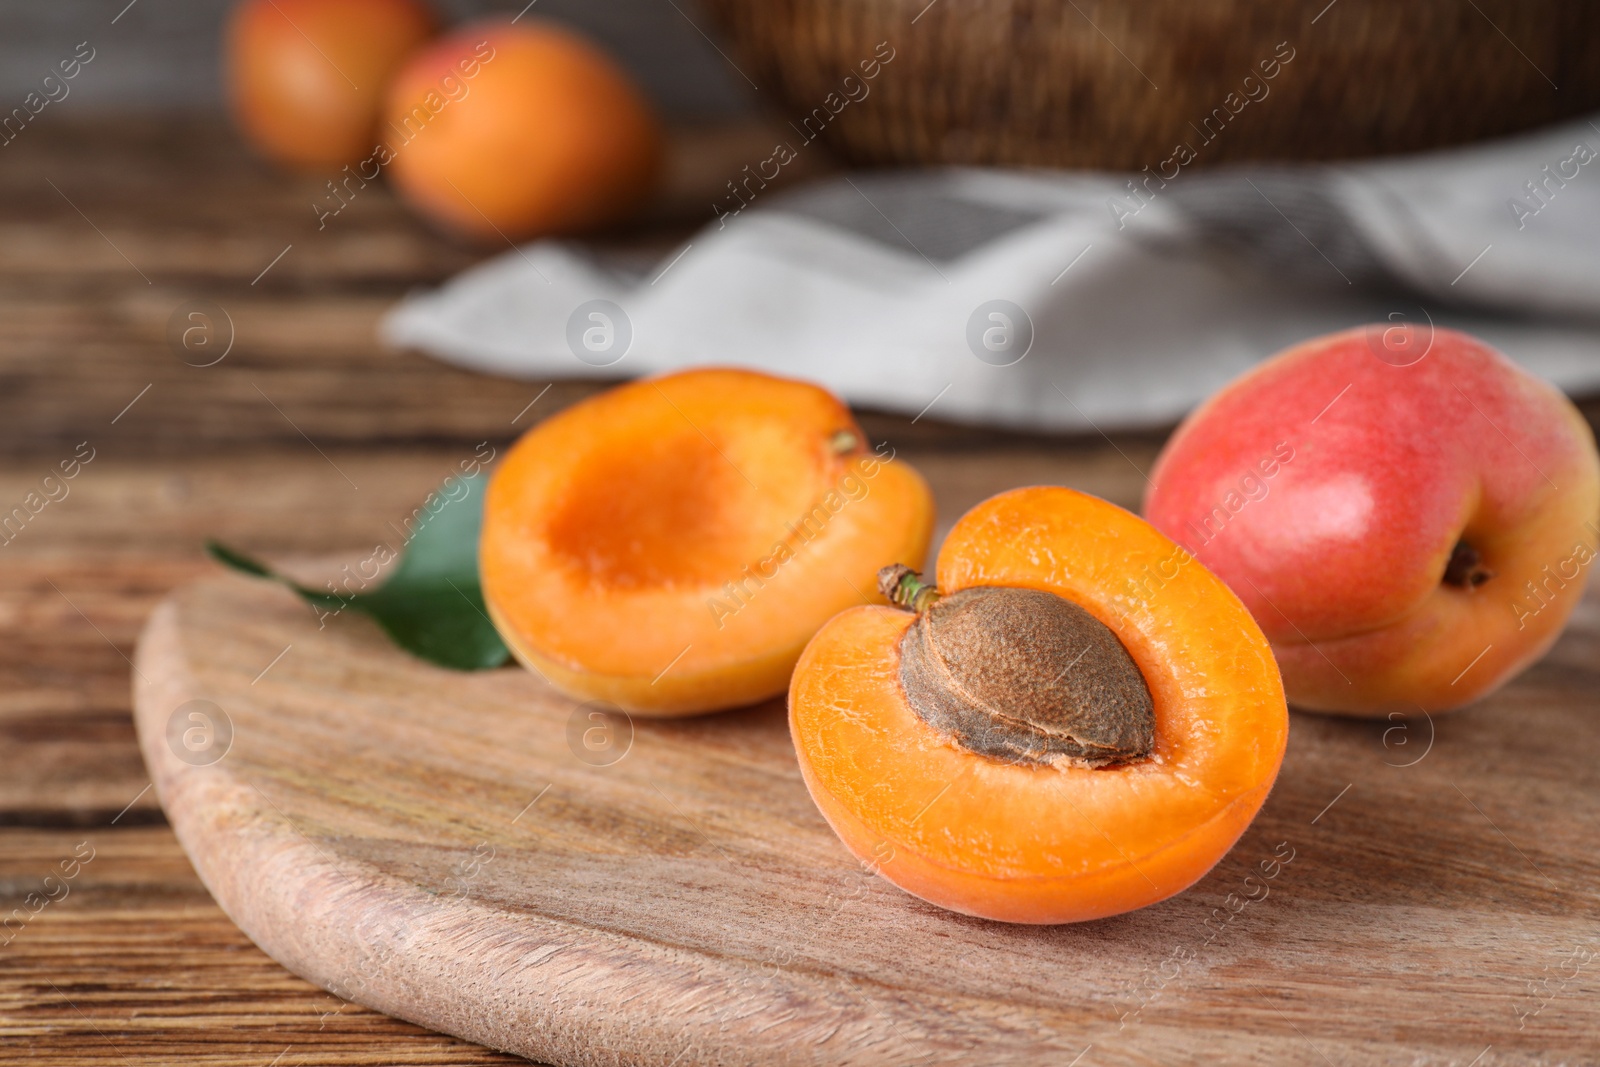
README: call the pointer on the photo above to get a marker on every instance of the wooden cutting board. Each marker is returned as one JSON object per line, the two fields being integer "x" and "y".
{"x": 480, "y": 855}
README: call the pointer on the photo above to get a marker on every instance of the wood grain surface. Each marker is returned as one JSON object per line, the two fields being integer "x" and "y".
{"x": 138, "y": 964}
{"x": 106, "y": 226}
{"x": 458, "y": 850}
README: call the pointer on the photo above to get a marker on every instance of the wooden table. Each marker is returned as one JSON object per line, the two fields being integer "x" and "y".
{"x": 307, "y": 438}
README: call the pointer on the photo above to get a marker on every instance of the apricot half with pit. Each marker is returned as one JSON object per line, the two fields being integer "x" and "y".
{"x": 670, "y": 545}
{"x": 1078, "y": 720}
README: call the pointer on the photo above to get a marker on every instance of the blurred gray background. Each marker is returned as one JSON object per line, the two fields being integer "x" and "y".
{"x": 163, "y": 54}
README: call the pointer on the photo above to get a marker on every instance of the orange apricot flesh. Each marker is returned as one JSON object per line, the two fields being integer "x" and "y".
{"x": 1049, "y": 844}
{"x": 670, "y": 545}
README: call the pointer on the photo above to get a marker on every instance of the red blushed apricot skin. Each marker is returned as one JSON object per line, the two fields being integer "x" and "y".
{"x": 614, "y": 530}
{"x": 1329, "y": 487}
{"x": 1039, "y": 844}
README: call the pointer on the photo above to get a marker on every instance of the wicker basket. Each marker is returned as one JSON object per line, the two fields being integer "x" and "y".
{"x": 1123, "y": 83}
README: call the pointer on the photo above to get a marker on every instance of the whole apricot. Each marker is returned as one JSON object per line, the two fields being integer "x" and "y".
{"x": 307, "y": 77}
{"x": 671, "y": 545}
{"x": 502, "y": 132}
{"x": 1408, "y": 514}
{"x": 1078, "y": 719}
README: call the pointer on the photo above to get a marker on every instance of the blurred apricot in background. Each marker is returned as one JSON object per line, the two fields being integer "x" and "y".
{"x": 502, "y": 131}
{"x": 307, "y": 77}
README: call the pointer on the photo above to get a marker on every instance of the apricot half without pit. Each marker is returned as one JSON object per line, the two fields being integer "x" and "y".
{"x": 672, "y": 544}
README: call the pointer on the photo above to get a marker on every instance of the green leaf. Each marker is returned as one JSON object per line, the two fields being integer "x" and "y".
{"x": 432, "y": 606}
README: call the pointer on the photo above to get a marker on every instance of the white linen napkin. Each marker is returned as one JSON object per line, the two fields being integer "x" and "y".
{"x": 1063, "y": 301}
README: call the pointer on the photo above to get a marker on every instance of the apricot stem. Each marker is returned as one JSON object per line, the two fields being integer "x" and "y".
{"x": 1465, "y": 569}
{"x": 844, "y": 441}
{"x": 905, "y": 588}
